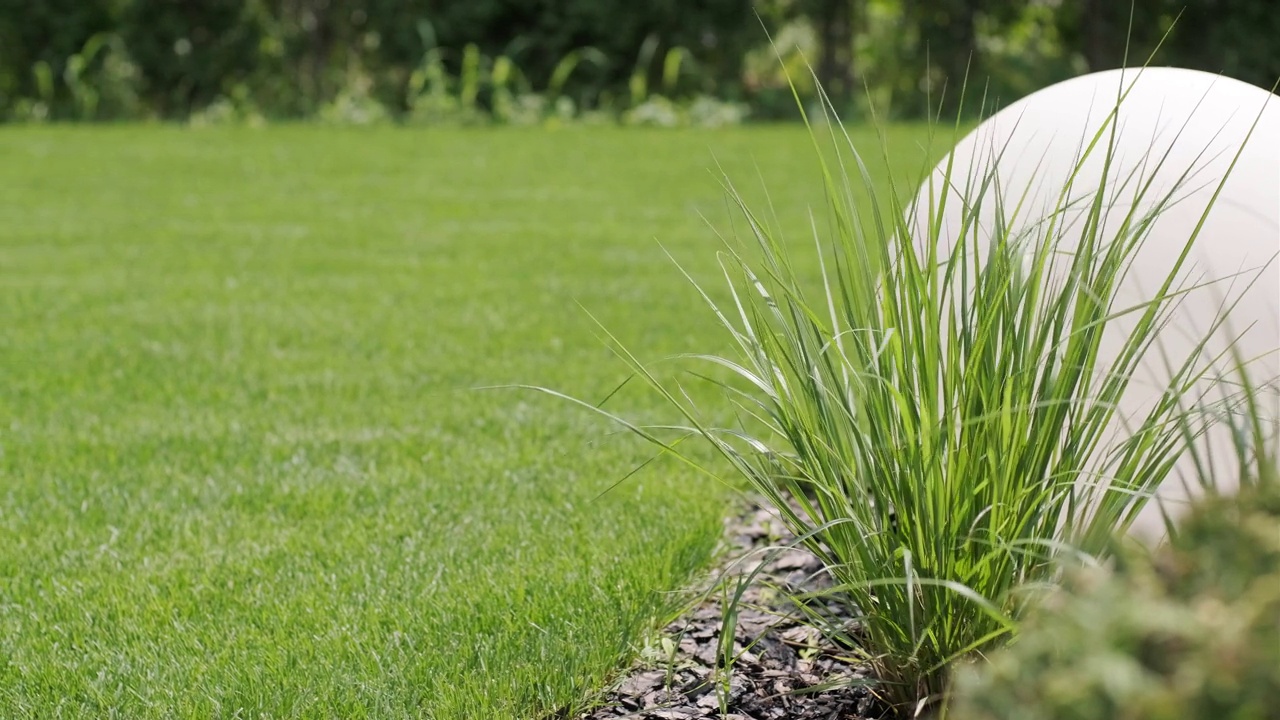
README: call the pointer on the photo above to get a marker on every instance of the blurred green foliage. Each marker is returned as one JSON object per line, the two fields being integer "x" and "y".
{"x": 290, "y": 58}
{"x": 112, "y": 59}
{"x": 1194, "y": 635}
{"x": 1233, "y": 37}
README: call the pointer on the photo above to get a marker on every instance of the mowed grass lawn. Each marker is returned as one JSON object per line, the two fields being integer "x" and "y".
{"x": 241, "y": 470}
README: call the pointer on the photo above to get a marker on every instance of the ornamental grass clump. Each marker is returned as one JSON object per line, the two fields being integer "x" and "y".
{"x": 935, "y": 430}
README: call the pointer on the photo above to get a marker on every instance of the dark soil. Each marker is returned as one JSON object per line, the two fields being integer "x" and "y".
{"x": 782, "y": 667}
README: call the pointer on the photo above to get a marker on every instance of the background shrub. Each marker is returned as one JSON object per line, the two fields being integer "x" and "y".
{"x": 48, "y": 32}
{"x": 297, "y": 58}
{"x": 191, "y": 53}
{"x": 1192, "y": 634}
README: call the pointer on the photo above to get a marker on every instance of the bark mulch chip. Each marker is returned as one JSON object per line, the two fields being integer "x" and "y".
{"x": 783, "y": 668}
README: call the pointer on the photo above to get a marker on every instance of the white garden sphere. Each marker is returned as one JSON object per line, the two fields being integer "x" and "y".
{"x": 1190, "y": 121}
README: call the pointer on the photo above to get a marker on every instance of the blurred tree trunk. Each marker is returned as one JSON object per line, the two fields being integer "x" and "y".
{"x": 1105, "y": 32}
{"x": 835, "y": 20}
{"x": 1100, "y": 30}
{"x": 949, "y": 34}
{"x": 1096, "y": 50}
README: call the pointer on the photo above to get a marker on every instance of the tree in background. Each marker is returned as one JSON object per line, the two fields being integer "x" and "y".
{"x": 191, "y": 52}
{"x": 947, "y": 40}
{"x": 909, "y": 58}
{"x": 944, "y": 45}
{"x": 35, "y": 35}
{"x": 389, "y": 37}
{"x": 290, "y": 58}
{"x": 538, "y": 33}
{"x": 914, "y": 55}
{"x": 1233, "y": 37}
{"x": 836, "y": 24}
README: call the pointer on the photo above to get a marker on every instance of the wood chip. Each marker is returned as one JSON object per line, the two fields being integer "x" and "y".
{"x": 762, "y": 680}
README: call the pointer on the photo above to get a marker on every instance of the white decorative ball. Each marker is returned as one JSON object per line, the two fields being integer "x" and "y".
{"x": 1181, "y": 130}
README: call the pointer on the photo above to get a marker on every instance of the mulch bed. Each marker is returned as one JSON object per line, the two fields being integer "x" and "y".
{"x": 783, "y": 668}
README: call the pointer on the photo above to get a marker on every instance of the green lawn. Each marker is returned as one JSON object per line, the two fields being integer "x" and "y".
{"x": 241, "y": 472}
